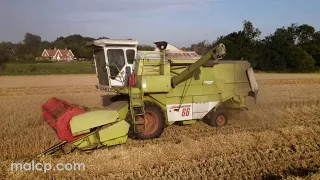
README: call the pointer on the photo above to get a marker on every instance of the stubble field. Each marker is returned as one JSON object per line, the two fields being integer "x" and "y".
{"x": 277, "y": 138}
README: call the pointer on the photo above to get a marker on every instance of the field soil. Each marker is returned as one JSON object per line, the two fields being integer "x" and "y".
{"x": 276, "y": 138}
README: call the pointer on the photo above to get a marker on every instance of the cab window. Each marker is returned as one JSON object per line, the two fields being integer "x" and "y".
{"x": 116, "y": 61}
{"x": 130, "y": 55}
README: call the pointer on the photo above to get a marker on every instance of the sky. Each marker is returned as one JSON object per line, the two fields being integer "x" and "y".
{"x": 180, "y": 22}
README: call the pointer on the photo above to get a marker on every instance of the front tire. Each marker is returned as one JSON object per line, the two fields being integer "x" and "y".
{"x": 155, "y": 123}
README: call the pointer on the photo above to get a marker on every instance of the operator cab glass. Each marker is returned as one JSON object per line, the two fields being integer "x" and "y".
{"x": 131, "y": 54}
{"x": 114, "y": 65}
{"x": 119, "y": 61}
{"x": 100, "y": 63}
{"x": 114, "y": 61}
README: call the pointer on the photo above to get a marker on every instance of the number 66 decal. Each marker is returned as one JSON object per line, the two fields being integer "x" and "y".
{"x": 185, "y": 112}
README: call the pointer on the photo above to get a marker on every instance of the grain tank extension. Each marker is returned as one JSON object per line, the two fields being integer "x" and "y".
{"x": 157, "y": 89}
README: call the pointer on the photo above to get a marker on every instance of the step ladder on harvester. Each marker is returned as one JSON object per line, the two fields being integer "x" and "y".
{"x": 137, "y": 107}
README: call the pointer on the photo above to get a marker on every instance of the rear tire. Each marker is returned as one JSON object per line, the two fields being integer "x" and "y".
{"x": 218, "y": 118}
{"x": 155, "y": 123}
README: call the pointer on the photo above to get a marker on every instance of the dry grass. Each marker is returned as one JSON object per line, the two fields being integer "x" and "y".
{"x": 278, "y": 138}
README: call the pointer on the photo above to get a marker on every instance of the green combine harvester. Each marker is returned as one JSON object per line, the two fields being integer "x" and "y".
{"x": 155, "y": 89}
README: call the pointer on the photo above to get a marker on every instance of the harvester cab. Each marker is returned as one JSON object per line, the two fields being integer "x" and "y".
{"x": 114, "y": 61}
{"x": 160, "y": 88}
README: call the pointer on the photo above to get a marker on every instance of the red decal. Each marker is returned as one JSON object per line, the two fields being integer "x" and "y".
{"x": 185, "y": 112}
{"x": 194, "y": 54}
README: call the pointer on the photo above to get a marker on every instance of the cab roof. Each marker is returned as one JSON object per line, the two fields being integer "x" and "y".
{"x": 113, "y": 42}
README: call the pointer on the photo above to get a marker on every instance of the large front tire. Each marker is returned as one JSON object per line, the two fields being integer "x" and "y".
{"x": 155, "y": 123}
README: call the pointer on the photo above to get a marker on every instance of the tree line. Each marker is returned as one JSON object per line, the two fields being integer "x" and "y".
{"x": 32, "y": 46}
{"x": 295, "y": 48}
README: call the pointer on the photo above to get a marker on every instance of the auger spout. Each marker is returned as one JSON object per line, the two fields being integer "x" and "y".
{"x": 215, "y": 54}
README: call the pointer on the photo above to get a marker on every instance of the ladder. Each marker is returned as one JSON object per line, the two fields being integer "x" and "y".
{"x": 137, "y": 107}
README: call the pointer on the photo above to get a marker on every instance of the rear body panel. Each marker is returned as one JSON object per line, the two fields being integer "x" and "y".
{"x": 223, "y": 83}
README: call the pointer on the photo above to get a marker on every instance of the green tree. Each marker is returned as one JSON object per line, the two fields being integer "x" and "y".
{"x": 103, "y": 37}
{"x": 201, "y": 47}
{"x": 30, "y": 47}
{"x": 44, "y": 45}
{"x": 60, "y": 44}
{"x": 76, "y": 43}
{"x": 32, "y": 44}
{"x": 6, "y": 52}
{"x": 250, "y": 31}
{"x": 242, "y": 44}
{"x": 281, "y": 52}
{"x": 305, "y": 33}
{"x": 309, "y": 40}
{"x": 314, "y": 48}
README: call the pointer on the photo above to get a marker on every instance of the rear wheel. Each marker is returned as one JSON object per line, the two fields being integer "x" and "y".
{"x": 155, "y": 123}
{"x": 218, "y": 118}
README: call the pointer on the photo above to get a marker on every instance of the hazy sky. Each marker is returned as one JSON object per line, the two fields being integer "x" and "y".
{"x": 180, "y": 22}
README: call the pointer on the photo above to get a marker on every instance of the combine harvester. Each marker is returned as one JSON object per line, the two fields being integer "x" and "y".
{"x": 158, "y": 88}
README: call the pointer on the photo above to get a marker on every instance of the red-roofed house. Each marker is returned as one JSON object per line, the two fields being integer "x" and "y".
{"x": 58, "y": 54}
